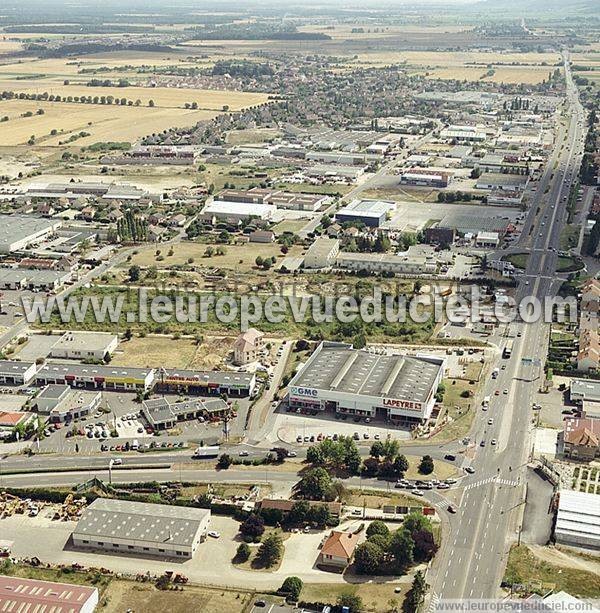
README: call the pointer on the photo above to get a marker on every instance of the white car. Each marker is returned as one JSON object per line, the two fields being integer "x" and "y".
{"x": 493, "y": 441}
{"x": 469, "y": 469}
{"x": 490, "y": 421}
{"x": 243, "y": 454}
{"x": 117, "y": 461}
{"x": 213, "y": 534}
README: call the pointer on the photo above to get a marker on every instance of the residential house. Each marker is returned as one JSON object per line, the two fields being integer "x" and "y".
{"x": 248, "y": 346}
{"x": 338, "y": 550}
{"x": 581, "y": 438}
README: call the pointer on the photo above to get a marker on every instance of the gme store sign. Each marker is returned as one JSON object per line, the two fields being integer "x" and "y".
{"x": 305, "y": 391}
{"x": 402, "y": 404}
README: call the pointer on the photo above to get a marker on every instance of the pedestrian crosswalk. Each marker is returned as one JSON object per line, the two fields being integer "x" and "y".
{"x": 495, "y": 479}
{"x": 435, "y": 599}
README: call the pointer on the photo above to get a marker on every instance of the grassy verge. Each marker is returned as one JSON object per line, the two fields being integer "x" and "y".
{"x": 375, "y": 596}
{"x": 525, "y": 568}
{"x": 518, "y": 260}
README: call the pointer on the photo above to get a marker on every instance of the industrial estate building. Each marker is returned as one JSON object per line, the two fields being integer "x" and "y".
{"x": 163, "y": 414}
{"x": 372, "y": 213}
{"x": 14, "y": 372}
{"x": 85, "y": 345}
{"x": 62, "y": 403}
{"x": 141, "y": 528}
{"x": 214, "y": 382}
{"x": 295, "y": 201}
{"x": 322, "y": 253}
{"x": 236, "y": 212}
{"x": 339, "y": 378}
{"x": 378, "y": 263}
{"x": 578, "y": 519}
{"x": 95, "y": 376}
{"x": 19, "y": 231}
{"x": 20, "y": 595}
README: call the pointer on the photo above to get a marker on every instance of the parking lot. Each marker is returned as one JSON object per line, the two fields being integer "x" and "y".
{"x": 122, "y": 413}
{"x": 291, "y": 427}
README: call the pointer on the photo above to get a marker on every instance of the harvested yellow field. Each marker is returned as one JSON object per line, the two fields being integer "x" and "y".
{"x": 162, "y": 96}
{"x": 518, "y": 74}
{"x": 7, "y": 46}
{"x": 103, "y": 123}
{"x": 455, "y": 58}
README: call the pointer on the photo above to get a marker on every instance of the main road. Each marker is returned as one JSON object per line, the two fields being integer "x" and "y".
{"x": 472, "y": 560}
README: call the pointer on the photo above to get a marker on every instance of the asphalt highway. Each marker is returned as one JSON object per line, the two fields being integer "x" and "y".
{"x": 472, "y": 560}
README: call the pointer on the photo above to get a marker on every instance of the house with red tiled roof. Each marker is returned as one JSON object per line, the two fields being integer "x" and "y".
{"x": 581, "y": 438}
{"x": 338, "y": 549}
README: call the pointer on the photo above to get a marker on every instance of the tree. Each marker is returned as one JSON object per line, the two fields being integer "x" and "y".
{"x": 225, "y": 461}
{"x": 426, "y": 465}
{"x": 416, "y": 521}
{"x": 352, "y": 601}
{"x": 299, "y": 512}
{"x": 402, "y": 547}
{"x": 253, "y": 527}
{"x": 270, "y": 550}
{"x": 401, "y": 465}
{"x": 319, "y": 515}
{"x": 243, "y": 552}
{"x": 376, "y": 450}
{"x": 314, "y": 455}
{"x": 150, "y": 103}
{"x": 415, "y": 595}
{"x": 292, "y": 586}
{"x": 368, "y": 558}
{"x": 377, "y": 527}
{"x": 134, "y": 273}
{"x": 425, "y": 545}
{"x": 315, "y": 484}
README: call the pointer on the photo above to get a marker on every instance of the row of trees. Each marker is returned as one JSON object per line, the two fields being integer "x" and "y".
{"x": 45, "y": 96}
{"x": 132, "y": 228}
{"x": 384, "y": 461}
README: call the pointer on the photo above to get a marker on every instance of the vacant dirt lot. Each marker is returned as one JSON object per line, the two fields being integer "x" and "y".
{"x": 156, "y": 351}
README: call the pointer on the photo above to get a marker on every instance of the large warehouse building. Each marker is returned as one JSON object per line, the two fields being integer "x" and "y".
{"x": 578, "y": 519}
{"x": 372, "y": 213}
{"x": 351, "y": 381}
{"x": 19, "y": 231}
{"x": 138, "y": 528}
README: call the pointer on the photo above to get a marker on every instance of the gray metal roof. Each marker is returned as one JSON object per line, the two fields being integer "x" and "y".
{"x": 140, "y": 521}
{"x": 13, "y": 367}
{"x": 338, "y": 367}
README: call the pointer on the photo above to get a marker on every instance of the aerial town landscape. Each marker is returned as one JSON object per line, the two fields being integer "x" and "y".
{"x": 299, "y": 306}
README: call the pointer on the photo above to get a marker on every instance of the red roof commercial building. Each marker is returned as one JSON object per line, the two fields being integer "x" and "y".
{"x": 19, "y": 594}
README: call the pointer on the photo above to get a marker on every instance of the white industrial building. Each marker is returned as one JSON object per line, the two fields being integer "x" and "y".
{"x": 19, "y": 231}
{"x": 322, "y": 253}
{"x": 236, "y": 212}
{"x": 141, "y": 528}
{"x": 379, "y": 263}
{"x": 578, "y": 519}
{"x": 15, "y": 372}
{"x": 84, "y": 345}
{"x": 339, "y": 378}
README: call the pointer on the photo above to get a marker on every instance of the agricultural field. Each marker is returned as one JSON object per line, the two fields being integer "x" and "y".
{"x": 530, "y": 75}
{"x": 163, "y": 97}
{"x": 99, "y": 122}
